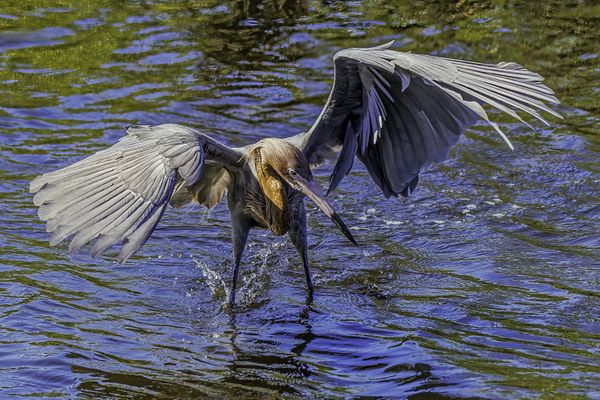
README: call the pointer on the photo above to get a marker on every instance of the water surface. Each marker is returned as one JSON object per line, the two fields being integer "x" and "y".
{"x": 485, "y": 283}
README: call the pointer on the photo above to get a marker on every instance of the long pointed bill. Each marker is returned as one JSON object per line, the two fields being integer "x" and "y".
{"x": 311, "y": 190}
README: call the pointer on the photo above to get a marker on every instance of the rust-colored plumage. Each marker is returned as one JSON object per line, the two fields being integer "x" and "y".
{"x": 272, "y": 160}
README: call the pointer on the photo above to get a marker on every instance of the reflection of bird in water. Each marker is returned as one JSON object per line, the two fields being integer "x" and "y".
{"x": 247, "y": 363}
{"x": 397, "y": 112}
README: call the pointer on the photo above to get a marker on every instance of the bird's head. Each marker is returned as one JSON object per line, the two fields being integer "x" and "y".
{"x": 292, "y": 166}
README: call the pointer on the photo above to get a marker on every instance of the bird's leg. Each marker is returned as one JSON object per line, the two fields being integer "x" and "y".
{"x": 297, "y": 234}
{"x": 309, "y": 284}
{"x": 236, "y": 270}
{"x": 240, "y": 229}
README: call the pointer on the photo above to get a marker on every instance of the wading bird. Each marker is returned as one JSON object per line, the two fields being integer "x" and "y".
{"x": 397, "y": 112}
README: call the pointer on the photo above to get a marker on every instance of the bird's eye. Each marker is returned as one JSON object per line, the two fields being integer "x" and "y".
{"x": 292, "y": 172}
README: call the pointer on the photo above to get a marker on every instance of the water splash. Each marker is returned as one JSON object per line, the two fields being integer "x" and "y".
{"x": 218, "y": 287}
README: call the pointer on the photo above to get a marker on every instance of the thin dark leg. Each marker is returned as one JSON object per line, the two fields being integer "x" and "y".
{"x": 236, "y": 270}
{"x": 297, "y": 235}
{"x": 309, "y": 284}
{"x": 240, "y": 229}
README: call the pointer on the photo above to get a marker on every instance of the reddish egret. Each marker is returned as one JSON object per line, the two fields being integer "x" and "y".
{"x": 397, "y": 112}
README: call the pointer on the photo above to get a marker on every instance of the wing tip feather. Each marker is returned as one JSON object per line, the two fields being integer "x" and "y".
{"x": 37, "y": 184}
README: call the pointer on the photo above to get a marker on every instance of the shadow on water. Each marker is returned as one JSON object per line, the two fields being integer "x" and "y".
{"x": 483, "y": 284}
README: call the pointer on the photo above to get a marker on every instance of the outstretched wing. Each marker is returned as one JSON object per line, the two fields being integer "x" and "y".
{"x": 120, "y": 194}
{"x": 398, "y": 112}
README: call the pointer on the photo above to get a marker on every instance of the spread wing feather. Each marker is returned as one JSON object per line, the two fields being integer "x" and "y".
{"x": 398, "y": 112}
{"x": 119, "y": 194}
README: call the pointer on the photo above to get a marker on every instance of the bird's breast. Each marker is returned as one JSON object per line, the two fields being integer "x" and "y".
{"x": 273, "y": 212}
{"x": 274, "y": 190}
{"x": 276, "y": 205}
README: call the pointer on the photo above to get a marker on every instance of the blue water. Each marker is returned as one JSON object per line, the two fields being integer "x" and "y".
{"x": 485, "y": 283}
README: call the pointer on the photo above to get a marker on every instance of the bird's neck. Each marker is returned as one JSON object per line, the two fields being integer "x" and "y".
{"x": 275, "y": 193}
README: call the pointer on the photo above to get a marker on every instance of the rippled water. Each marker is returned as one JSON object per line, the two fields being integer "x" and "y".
{"x": 485, "y": 283}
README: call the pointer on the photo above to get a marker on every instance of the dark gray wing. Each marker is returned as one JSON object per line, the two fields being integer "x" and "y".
{"x": 398, "y": 112}
{"x": 120, "y": 194}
